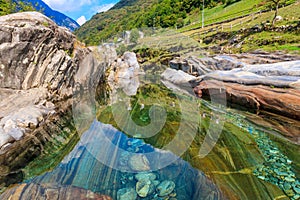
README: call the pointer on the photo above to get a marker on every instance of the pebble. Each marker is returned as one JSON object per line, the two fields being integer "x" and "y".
{"x": 296, "y": 189}
{"x": 289, "y": 179}
{"x": 165, "y": 188}
{"x": 287, "y": 186}
{"x": 145, "y": 176}
{"x": 144, "y": 188}
{"x": 126, "y": 194}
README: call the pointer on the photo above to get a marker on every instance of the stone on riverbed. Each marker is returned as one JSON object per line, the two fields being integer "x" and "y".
{"x": 165, "y": 188}
{"x": 145, "y": 176}
{"x": 126, "y": 194}
{"x": 145, "y": 188}
{"x": 139, "y": 162}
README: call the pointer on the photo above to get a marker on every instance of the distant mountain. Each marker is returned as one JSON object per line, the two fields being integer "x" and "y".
{"x": 57, "y": 17}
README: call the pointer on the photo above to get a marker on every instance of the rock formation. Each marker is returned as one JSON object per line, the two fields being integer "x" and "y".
{"x": 40, "y": 65}
{"x": 32, "y": 191}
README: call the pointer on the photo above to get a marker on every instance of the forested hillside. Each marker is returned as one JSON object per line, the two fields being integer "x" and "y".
{"x": 9, "y": 6}
{"x": 128, "y": 14}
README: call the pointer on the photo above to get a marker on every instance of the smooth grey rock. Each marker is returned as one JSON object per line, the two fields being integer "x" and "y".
{"x": 283, "y": 74}
{"x": 5, "y": 138}
{"x": 165, "y": 188}
{"x": 177, "y": 76}
{"x": 131, "y": 60}
{"x": 126, "y": 194}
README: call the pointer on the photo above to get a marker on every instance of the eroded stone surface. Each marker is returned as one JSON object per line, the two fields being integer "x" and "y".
{"x": 32, "y": 191}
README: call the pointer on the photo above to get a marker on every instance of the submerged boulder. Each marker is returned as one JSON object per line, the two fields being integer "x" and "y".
{"x": 165, "y": 188}
{"x": 126, "y": 194}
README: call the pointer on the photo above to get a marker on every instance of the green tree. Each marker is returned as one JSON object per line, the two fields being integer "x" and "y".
{"x": 275, "y": 4}
{"x": 6, "y": 7}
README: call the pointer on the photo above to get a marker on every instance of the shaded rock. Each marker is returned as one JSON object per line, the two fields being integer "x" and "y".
{"x": 126, "y": 194}
{"x": 202, "y": 66}
{"x": 139, "y": 162}
{"x": 165, "y": 188}
{"x": 180, "y": 64}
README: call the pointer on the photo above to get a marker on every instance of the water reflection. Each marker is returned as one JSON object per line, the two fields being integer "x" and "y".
{"x": 85, "y": 167}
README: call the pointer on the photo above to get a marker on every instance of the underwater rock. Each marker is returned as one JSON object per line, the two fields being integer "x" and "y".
{"x": 165, "y": 188}
{"x": 139, "y": 162}
{"x": 144, "y": 188}
{"x": 35, "y": 191}
{"x": 145, "y": 176}
{"x": 126, "y": 194}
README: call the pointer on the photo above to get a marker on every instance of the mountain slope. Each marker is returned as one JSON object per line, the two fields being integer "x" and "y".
{"x": 57, "y": 17}
{"x": 106, "y": 24}
{"x": 129, "y": 14}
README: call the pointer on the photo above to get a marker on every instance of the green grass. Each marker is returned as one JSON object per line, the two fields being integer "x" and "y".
{"x": 288, "y": 42}
{"x": 221, "y": 13}
{"x": 272, "y": 41}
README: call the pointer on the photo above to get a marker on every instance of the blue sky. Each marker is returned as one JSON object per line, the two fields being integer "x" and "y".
{"x": 80, "y": 10}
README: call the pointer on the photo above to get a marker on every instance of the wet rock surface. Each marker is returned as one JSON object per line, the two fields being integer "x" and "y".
{"x": 32, "y": 191}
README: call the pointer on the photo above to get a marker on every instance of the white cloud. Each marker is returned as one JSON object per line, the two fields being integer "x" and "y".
{"x": 104, "y": 7}
{"x": 81, "y": 20}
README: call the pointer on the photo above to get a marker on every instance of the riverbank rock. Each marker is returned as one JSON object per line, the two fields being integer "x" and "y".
{"x": 277, "y": 100}
{"x": 124, "y": 74}
{"x": 40, "y": 65}
{"x": 269, "y": 87}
